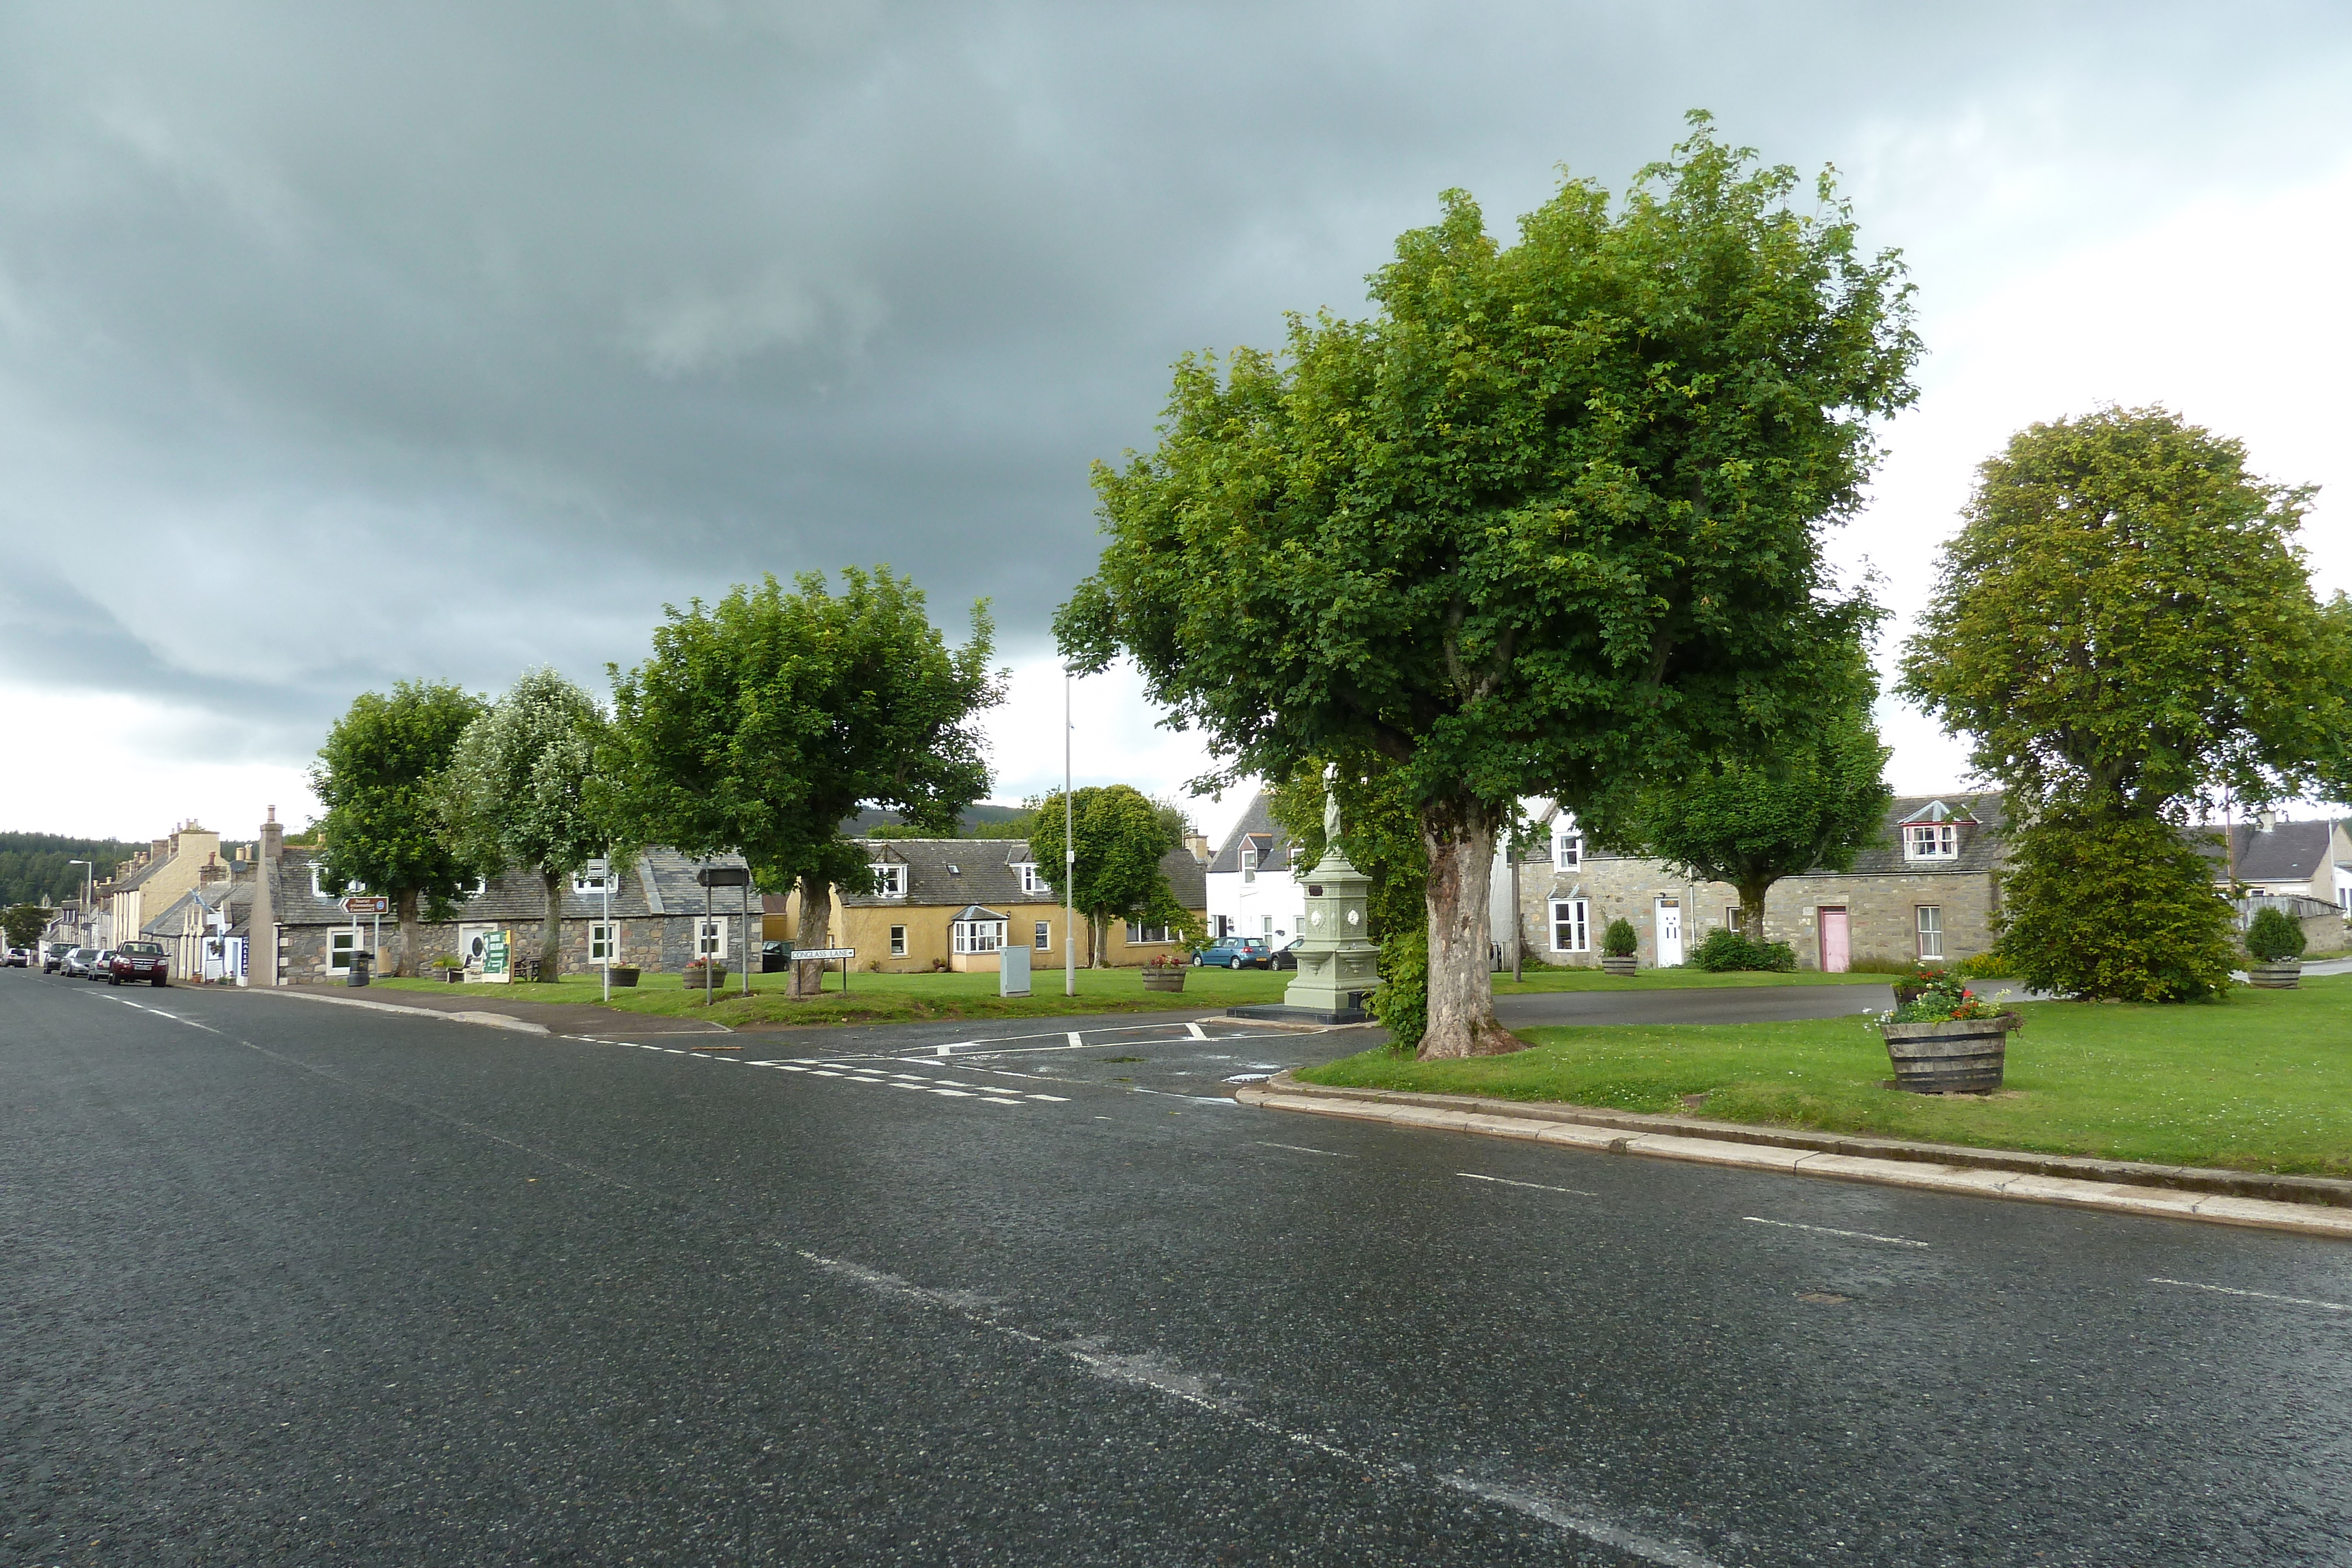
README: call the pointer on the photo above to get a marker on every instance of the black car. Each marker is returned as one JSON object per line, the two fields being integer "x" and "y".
{"x": 1287, "y": 955}
{"x": 775, "y": 958}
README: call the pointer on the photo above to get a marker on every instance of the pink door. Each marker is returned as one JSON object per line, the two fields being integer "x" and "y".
{"x": 1835, "y": 954}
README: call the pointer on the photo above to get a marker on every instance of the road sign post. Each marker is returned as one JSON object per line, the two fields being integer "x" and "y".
{"x": 737, "y": 876}
{"x": 826, "y": 956}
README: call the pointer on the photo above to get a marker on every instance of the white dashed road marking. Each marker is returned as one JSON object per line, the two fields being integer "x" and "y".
{"x": 1827, "y": 1230}
{"x": 2256, "y": 1295}
{"x": 1302, "y": 1149}
{"x": 1534, "y": 1186}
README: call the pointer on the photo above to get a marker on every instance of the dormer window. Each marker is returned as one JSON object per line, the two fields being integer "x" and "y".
{"x": 587, "y": 883}
{"x": 1567, "y": 847}
{"x": 1032, "y": 879}
{"x": 1931, "y": 842}
{"x": 1249, "y": 865}
{"x": 890, "y": 881}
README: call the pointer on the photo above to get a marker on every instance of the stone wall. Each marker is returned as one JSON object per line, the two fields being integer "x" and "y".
{"x": 655, "y": 943}
{"x": 1882, "y": 910}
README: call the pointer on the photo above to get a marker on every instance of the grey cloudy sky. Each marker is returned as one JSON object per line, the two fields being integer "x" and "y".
{"x": 343, "y": 343}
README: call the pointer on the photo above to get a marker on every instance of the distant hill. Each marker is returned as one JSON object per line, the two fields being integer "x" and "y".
{"x": 34, "y": 869}
{"x": 975, "y": 819}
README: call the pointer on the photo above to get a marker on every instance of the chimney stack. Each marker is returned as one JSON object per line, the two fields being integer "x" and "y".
{"x": 1199, "y": 844}
{"x": 273, "y": 837}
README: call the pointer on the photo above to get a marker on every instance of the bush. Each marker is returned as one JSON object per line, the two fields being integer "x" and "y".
{"x": 1725, "y": 949}
{"x": 1621, "y": 940}
{"x": 2274, "y": 936}
{"x": 1402, "y": 1001}
{"x": 2100, "y": 907}
{"x": 1981, "y": 966}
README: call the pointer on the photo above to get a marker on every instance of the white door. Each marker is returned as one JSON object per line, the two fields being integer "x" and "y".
{"x": 1670, "y": 932}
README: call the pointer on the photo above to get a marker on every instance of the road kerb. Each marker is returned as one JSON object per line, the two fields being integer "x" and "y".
{"x": 482, "y": 1020}
{"x": 2115, "y": 1197}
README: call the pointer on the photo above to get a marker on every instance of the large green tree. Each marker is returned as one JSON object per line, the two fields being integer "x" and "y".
{"x": 1551, "y": 517}
{"x": 1121, "y": 835}
{"x": 762, "y": 723}
{"x": 381, "y": 777}
{"x": 2125, "y": 629}
{"x": 1814, "y": 800}
{"x": 2126, "y": 621}
{"x": 23, "y": 922}
{"x": 517, "y": 792}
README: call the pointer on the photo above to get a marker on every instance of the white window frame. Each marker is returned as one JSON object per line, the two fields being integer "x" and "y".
{"x": 1138, "y": 934}
{"x": 1042, "y": 939}
{"x": 711, "y": 938}
{"x": 1931, "y": 840}
{"x": 1731, "y": 917}
{"x": 1930, "y": 919}
{"x": 1265, "y": 926}
{"x": 1249, "y": 864}
{"x": 1576, "y": 913}
{"x": 897, "y": 941}
{"x": 1567, "y": 848}
{"x": 604, "y": 939}
{"x": 1031, "y": 879}
{"x": 975, "y": 936}
{"x": 889, "y": 879}
{"x": 340, "y": 946}
{"x": 584, "y": 883}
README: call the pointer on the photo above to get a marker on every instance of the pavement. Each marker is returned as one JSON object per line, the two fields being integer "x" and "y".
{"x": 289, "y": 1283}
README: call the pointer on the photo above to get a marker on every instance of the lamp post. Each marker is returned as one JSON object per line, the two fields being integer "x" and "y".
{"x": 89, "y": 885}
{"x": 1069, "y": 855}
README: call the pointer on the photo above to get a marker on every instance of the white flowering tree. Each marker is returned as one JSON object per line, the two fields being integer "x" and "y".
{"x": 514, "y": 796}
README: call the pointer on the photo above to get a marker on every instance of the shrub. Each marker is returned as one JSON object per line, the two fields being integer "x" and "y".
{"x": 2274, "y": 936}
{"x": 2102, "y": 906}
{"x": 1980, "y": 967}
{"x": 1402, "y": 1001}
{"x": 1621, "y": 940}
{"x": 1725, "y": 949}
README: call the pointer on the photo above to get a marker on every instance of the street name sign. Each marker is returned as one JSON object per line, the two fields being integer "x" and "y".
{"x": 821, "y": 955}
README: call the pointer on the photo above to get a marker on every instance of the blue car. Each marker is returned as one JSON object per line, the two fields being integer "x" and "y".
{"x": 1236, "y": 952}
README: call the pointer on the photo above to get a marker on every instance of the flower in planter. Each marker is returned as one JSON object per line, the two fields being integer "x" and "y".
{"x": 1945, "y": 1001}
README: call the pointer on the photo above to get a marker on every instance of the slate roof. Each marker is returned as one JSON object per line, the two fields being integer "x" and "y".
{"x": 172, "y": 922}
{"x": 953, "y": 872}
{"x": 1978, "y": 818}
{"x": 655, "y": 881}
{"x": 1257, "y": 830}
{"x": 2290, "y": 852}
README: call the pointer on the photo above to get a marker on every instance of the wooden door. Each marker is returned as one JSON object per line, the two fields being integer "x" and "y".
{"x": 1836, "y": 951}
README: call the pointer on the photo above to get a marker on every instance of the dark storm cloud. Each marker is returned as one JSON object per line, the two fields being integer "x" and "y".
{"x": 376, "y": 342}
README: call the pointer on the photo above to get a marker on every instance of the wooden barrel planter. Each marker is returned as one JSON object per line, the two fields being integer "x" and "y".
{"x": 1612, "y": 965}
{"x": 1953, "y": 1056}
{"x": 623, "y": 976}
{"x": 2283, "y": 977}
{"x": 1167, "y": 980}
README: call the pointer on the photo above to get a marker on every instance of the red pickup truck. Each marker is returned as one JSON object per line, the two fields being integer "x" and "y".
{"x": 135, "y": 961}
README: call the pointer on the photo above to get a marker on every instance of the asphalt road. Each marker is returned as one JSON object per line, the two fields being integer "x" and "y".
{"x": 290, "y": 1283}
{"x": 1724, "y": 1004}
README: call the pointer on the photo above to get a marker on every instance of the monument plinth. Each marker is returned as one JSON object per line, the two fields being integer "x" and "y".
{"x": 1339, "y": 963}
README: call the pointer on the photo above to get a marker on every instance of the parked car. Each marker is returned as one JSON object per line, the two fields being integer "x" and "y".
{"x": 136, "y": 961}
{"x": 54, "y": 955}
{"x": 97, "y": 963}
{"x": 775, "y": 958}
{"x": 19, "y": 958}
{"x": 76, "y": 962}
{"x": 1236, "y": 952}
{"x": 1287, "y": 955}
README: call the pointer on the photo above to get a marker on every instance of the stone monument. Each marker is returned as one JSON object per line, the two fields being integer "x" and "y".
{"x": 1338, "y": 964}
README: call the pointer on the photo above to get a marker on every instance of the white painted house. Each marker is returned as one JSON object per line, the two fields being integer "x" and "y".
{"x": 1253, "y": 891}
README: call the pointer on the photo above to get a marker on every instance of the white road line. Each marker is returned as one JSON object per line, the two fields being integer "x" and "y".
{"x": 1075, "y": 1043}
{"x": 2256, "y": 1295}
{"x": 1302, "y": 1149}
{"x": 999, "y": 1100}
{"x": 1536, "y": 1185}
{"x": 1832, "y": 1230}
{"x": 1056, "y": 1099}
{"x": 1155, "y": 1372}
{"x": 954, "y": 1093}
{"x": 1195, "y": 1030}
{"x": 916, "y": 1087}
{"x": 822, "y": 1072}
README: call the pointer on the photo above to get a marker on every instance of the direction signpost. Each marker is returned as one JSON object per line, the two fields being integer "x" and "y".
{"x": 734, "y": 876}
{"x": 373, "y": 904}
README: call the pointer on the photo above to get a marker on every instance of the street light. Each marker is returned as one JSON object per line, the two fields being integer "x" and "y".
{"x": 1069, "y": 856}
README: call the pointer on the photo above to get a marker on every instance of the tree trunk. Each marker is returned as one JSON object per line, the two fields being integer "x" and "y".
{"x": 550, "y": 925}
{"x": 1459, "y": 835}
{"x": 1094, "y": 941}
{"x": 1751, "y": 908}
{"x": 813, "y": 929}
{"x": 405, "y": 905}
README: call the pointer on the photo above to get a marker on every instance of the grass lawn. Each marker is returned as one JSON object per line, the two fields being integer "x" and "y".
{"x": 2260, "y": 1081}
{"x": 885, "y": 998}
{"x": 1540, "y": 979}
